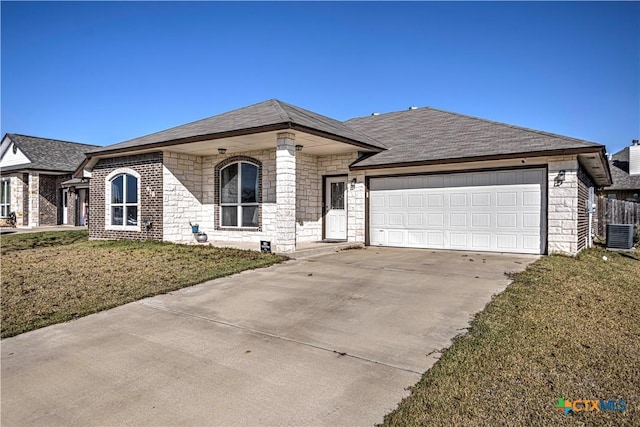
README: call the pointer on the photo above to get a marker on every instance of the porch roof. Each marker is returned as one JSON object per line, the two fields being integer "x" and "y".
{"x": 271, "y": 115}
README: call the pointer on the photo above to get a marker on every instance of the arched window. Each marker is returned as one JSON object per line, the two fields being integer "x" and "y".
{"x": 239, "y": 196}
{"x": 124, "y": 200}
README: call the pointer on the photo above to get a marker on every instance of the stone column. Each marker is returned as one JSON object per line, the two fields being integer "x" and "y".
{"x": 286, "y": 193}
{"x": 562, "y": 219}
{"x": 355, "y": 207}
{"x": 34, "y": 199}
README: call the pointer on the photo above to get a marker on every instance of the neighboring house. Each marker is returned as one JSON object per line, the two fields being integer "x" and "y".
{"x": 33, "y": 171}
{"x": 625, "y": 170}
{"x": 421, "y": 178}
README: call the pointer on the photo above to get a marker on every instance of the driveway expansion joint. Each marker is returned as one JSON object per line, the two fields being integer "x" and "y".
{"x": 272, "y": 335}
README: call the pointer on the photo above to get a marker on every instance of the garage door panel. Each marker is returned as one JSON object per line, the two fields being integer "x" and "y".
{"x": 458, "y": 200}
{"x": 531, "y": 221}
{"x": 416, "y": 238}
{"x": 531, "y": 198}
{"x": 486, "y": 211}
{"x": 395, "y": 219}
{"x": 507, "y": 220}
{"x": 507, "y": 199}
{"x": 458, "y": 220}
{"x": 435, "y": 200}
{"x": 435, "y": 220}
{"x": 435, "y": 239}
{"x": 415, "y": 201}
{"x": 396, "y": 237}
{"x": 507, "y": 242}
{"x": 415, "y": 220}
{"x": 481, "y": 220}
{"x": 394, "y": 201}
{"x": 480, "y": 240}
{"x": 480, "y": 199}
{"x": 531, "y": 242}
{"x": 377, "y": 220}
{"x": 458, "y": 240}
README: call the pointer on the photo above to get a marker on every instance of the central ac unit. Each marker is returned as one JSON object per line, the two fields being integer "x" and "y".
{"x": 620, "y": 236}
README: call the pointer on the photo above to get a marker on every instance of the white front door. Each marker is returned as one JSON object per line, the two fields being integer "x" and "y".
{"x": 336, "y": 208}
{"x": 65, "y": 196}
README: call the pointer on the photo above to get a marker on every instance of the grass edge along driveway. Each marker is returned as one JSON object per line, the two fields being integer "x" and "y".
{"x": 54, "y": 277}
{"x": 565, "y": 328}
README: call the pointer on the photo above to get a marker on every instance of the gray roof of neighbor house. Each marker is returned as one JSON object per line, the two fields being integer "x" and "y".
{"x": 428, "y": 135}
{"x": 48, "y": 154}
{"x": 619, "y": 164}
{"x": 264, "y": 116}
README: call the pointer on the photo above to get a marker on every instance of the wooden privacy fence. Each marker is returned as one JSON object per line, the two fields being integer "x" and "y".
{"x": 612, "y": 211}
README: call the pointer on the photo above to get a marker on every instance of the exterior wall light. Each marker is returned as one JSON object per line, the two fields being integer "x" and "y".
{"x": 353, "y": 183}
{"x": 299, "y": 147}
{"x": 222, "y": 150}
{"x": 559, "y": 179}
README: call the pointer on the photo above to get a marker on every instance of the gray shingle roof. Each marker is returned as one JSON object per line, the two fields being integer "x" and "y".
{"x": 431, "y": 135}
{"x": 619, "y": 165}
{"x": 49, "y": 154}
{"x": 267, "y": 113}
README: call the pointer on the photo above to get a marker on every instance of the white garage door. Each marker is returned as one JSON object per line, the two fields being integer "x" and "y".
{"x": 500, "y": 211}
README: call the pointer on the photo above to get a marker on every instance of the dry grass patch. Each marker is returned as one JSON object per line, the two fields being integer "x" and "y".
{"x": 566, "y": 327}
{"x": 53, "y": 284}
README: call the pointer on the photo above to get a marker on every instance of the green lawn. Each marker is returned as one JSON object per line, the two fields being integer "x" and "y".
{"x": 53, "y": 277}
{"x": 566, "y": 327}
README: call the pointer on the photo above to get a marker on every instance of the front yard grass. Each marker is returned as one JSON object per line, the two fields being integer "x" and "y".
{"x": 566, "y": 327}
{"x": 53, "y": 277}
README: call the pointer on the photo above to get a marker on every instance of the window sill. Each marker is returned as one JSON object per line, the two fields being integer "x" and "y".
{"x": 122, "y": 228}
{"x": 238, "y": 229}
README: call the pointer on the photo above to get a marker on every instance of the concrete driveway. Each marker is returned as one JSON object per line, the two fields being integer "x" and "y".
{"x": 329, "y": 340}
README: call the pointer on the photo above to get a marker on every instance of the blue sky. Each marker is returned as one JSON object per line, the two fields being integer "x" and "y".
{"x": 105, "y": 72}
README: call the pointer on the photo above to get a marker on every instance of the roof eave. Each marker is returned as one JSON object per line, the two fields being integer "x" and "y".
{"x": 558, "y": 152}
{"x": 233, "y": 133}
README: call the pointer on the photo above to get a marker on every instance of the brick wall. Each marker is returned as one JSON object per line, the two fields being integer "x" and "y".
{"x": 149, "y": 166}
{"x": 583, "y": 216}
{"x": 49, "y": 199}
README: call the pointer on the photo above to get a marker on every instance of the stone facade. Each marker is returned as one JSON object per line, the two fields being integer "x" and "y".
{"x": 562, "y": 209}
{"x": 178, "y": 188}
{"x": 191, "y": 194}
{"x": 285, "y": 193}
{"x": 150, "y": 170}
{"x": 309, "y": 198}
{"x": 36, "y": 199}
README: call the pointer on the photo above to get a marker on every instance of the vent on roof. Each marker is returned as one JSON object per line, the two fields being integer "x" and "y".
{"x": 413, "y": 107}
{"x": 619, "y": 236}
{"x": 634, "y": 158}
{"x": 375, "y": 114}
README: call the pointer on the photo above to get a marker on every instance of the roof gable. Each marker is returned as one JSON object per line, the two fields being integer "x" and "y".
{"x": 47, "y": 154}
{"x": 252, "y": 119}
{"x": 11, "y": 155}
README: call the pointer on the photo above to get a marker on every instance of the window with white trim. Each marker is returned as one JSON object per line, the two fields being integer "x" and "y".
{"x": 239, "y": 196}
{"x": 124, "y": 200}
{"x": 5, "y": 198}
